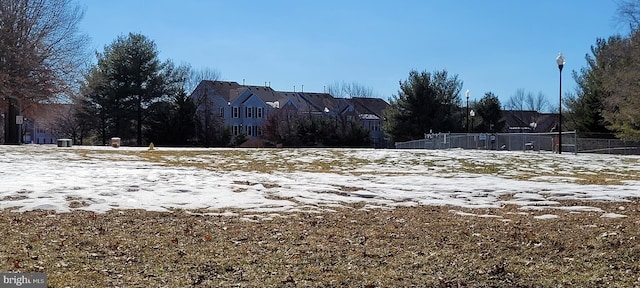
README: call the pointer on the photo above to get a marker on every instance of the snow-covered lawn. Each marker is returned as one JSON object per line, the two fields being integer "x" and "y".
{"x": 285, "y": 180}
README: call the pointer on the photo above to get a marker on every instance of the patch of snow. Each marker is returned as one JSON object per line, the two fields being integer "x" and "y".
{"x": 104, "y": 178}
{"x": 461, "y": 213}
{"x": 546, "y": 217}
{"x": 612, "y": 215}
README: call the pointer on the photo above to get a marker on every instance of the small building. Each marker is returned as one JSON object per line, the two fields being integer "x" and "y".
{"x": 528, "y": 121}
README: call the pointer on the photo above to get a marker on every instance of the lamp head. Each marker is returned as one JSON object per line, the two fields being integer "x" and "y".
{"x": 560, "y": 60}
{"x": 467, "y": 93}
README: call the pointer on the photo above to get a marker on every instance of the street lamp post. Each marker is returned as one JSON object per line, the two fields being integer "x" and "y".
{"x": 468, "y": 93}
{"x": 472, "y": 114}
{"x": 560, "y": 60}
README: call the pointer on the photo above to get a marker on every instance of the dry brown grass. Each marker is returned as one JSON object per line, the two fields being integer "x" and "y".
{"x": 427, "y": 246}
{"x": 405, "y": 247}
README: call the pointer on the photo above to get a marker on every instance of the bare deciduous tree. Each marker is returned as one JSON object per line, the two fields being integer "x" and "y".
{"x": 628, "y": 13}
{"x": 349, "y": 90}
{"x": 197, "y": 75}
{"x": 41, "y": 48}
{"x": 516, "y": 101}
{"x": 522, "y": 100}
{"x": 41, "y": 54}
{"x": 539, "y": 102}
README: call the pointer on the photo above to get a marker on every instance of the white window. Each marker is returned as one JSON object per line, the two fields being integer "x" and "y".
{"x": 259, "y": 113}
{"x": 235, "y": 130}
{"x": 250, "y": 130}
{"x": 259, "y": 130}
{"x": 248, "y": 111}
{"x": 236, "y": 111}
{"x": 221, "y": 112}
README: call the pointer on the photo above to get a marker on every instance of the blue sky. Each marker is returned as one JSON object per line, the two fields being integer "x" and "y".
{"x": 493, "y": 46}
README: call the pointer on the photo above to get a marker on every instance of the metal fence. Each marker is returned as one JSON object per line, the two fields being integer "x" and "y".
{"x": 495, "y": 141}
{"x": 524, "y": 142}
{"x": 608, "y": 146}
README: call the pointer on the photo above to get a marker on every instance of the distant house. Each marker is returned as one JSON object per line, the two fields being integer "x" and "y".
{"x": 37, "y": 123}
{"x": 371, "y": 114}
{"x": 245, "y": 109}
{"x": 250, "y": 107}
{"x": 525, "y": 121}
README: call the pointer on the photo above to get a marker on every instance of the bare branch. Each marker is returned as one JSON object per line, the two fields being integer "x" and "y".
{"x": 41, "y": 47}
{"x": 349, "y": 90}
{"x": 628, "y": 13}
{"x": 196, "y": 76}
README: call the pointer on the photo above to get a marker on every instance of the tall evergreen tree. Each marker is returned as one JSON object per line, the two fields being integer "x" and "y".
{"x": 425, "y": 102}
{"x": 127, "y": 81}
{"x": 585, "y": 107}
{"x": 621, "y": 78}
{"x": 172, "y": 122}
{"x": 490, "y": 114}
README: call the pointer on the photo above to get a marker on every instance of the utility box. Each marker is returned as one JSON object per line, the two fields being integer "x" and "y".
{"x": 115, "y": 142}
{"x": 64, "y": 142}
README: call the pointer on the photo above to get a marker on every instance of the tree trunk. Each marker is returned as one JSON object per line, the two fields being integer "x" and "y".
{"x": 11, "y": 128}
{"x": 139, "y": 121}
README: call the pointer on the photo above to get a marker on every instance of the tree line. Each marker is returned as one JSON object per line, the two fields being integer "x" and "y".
{"x": 132, "y": 94}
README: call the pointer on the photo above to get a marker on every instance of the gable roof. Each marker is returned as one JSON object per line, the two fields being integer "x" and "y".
{"x": 375, "y": 106}
{"x": 220, "y": 88}
{"x": 308, "y": 102}
{"x": 265, "y": 93}
{"x": 320, "y": 102}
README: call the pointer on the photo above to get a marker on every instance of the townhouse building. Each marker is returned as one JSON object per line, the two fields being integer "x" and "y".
{"x": 246, "y": 108}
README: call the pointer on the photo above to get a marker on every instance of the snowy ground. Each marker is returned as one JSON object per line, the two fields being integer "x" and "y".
{"x": 284, "y": 180}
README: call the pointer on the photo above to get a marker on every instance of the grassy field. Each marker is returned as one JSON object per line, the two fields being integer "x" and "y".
{"x": 559, "y": 242}
{"x": 352, "y": 247}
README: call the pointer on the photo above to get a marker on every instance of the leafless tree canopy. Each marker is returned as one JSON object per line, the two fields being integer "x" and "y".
{"x": 197, "y": 75}
{"x": 628, "y": 13}
{"x": 41, "y": 49}
{"x": 349, "y": 90}
{"x": 522, "y": 100}
{"x": 516, "y": 102}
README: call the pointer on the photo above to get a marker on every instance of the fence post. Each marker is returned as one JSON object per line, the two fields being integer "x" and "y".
{"x": 575, "y": 142}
